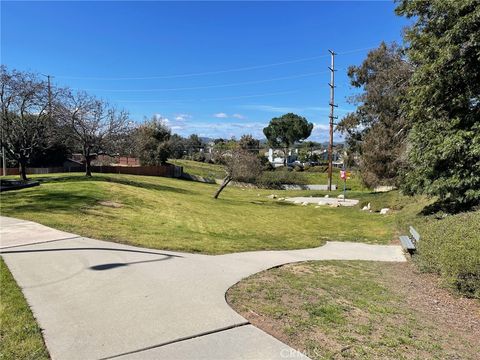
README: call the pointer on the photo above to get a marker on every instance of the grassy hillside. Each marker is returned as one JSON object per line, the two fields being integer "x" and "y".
{"x": 181, "y": 215}
{"x": 201, "y": 169}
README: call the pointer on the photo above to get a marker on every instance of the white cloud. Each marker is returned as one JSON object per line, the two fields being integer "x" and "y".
{"x": 321, "y": 127}
{"x": 238, "y": 116}
{"x": 221, "y": 115}
{"x": 182, "y": 117}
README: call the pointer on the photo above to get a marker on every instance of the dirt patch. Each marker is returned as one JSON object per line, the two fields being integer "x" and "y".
{"x": 111, "y": 204}
{"x": 337, "y": 310}
{"x": 424, "y": 293}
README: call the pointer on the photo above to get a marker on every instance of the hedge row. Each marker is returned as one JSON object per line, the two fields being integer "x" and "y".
{"x": 451, "y": 247}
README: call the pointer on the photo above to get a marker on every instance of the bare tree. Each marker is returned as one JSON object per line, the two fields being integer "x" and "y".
{"x": 25, "y": 117}
{"x": 240, "y": 165}
{"x": 95, "y": 126}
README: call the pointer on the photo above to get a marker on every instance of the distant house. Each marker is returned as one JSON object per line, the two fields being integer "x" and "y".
{"x": 277, "y": 157}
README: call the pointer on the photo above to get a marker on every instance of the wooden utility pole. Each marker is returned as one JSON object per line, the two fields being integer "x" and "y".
{"x": 332, "y": 117}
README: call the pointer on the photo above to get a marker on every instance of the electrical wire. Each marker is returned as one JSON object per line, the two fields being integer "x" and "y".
{"x": 245, "y": 68}
{"x": 211, "y": 86}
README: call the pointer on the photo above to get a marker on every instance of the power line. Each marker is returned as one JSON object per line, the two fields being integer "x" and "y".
{"x": 210, "y": 86}
{"x": 245, "y": 68}
{"x": 212, "y": 99}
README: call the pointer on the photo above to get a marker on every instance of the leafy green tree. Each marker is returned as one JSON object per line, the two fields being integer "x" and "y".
{"x": 378, "y": 128}
{"x": 178, "y": 146}
{"x": 154, "y": 144}
{"x": 286, "y": 130}
{"x": 444, "y": 101}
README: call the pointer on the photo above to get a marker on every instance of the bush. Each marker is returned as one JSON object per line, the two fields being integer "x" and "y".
{"x": 274, "y": 179}
{"x": 320, "y": 169}
{"x": 199, "y": 157}
{"x": 451, "y": 247}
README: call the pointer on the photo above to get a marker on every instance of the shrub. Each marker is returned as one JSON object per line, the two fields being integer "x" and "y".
{"x": 274, "y": 179}
{"x": 199, "y": 157}
{"x": 320, "y": 168}
{"x": 451, "y": 247}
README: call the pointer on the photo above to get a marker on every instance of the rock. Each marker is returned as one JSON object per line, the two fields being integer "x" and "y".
{"x": 281, "y": 199}
{"x": 316, "y": 207}
{"x": 305, "y": 204}
{"x": 321, "y": 203}
{"x": 258, "y": 194}
{"x": 335, "y": 205}
{"x": 273, "y": 196}
{"x": 341, "y": 196}
{"x": 297, "y": 202}
{"x": 384, "y": 211}
{"x": 327, "y": 196}
{"x": 365, "y": 208}
{"x": 368, "y": 206}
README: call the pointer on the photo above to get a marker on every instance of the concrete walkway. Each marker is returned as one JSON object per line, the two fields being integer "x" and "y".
{"x": 101, "y": 300}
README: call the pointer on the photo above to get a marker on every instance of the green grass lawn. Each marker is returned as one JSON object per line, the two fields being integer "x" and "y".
{"x": 20, "y": 336}
{"x": 206, "y": 170}
{"x": 350, "y": 310}
{"x": 181, "y": 215}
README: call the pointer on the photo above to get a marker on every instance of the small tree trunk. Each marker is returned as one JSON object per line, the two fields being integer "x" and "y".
{"x": 88, "y": 171}
{"x": 23, "y": 170}
{"x": 285, "y": 158}
{"x": 224, "y": 184}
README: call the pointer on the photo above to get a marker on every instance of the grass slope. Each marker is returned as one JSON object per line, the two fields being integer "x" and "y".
{"x": 206, "y": 170}
{"x": 180, "y": 215}
{"x": 20, "y": 336}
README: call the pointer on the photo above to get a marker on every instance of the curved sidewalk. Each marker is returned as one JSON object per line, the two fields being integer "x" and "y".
{"x": 100, "y": 300}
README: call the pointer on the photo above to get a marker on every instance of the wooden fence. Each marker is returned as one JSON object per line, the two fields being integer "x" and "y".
{"x": 168, "y": 170}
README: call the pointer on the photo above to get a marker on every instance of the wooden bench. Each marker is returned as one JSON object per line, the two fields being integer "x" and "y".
{"x": 410, "y": 242}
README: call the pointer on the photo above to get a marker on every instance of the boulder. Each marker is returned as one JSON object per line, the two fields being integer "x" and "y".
{"x": 384, "y": 211}
{"x": 273, "y": 196}
{"x": 341, "y": 196}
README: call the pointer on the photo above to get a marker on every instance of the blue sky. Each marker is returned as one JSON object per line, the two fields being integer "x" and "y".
{"x": 218, "y": 69}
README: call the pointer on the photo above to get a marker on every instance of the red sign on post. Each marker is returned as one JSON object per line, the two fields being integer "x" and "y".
{"x": 343, "y": 174}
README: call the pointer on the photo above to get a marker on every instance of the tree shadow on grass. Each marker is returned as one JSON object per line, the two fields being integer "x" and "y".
{"x": 440, "y": 208}
{"x": 44, "y": 202}
{"x": 114, "y": 179}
